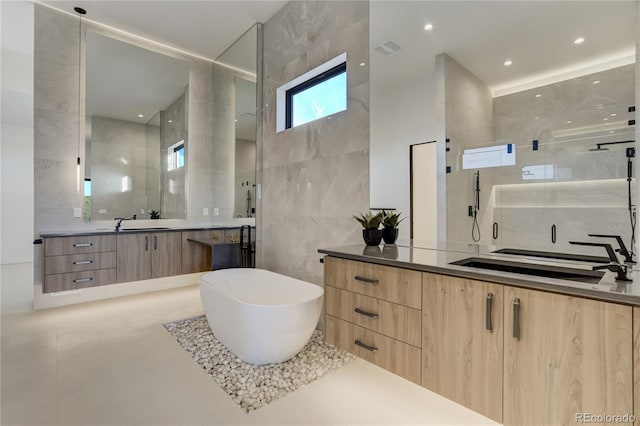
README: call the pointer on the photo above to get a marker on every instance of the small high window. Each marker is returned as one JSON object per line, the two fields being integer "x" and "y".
{"x": 319, "y": 97}
{"x": 316, "y": 94}
{"x": 175, "y": 157}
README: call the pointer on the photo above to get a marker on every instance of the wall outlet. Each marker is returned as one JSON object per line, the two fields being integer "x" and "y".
{"x": 205, "y": 211}
{"x": 77, "y": 212}
{"x": 142, "y": 211}
{"x": 216, "y": 211}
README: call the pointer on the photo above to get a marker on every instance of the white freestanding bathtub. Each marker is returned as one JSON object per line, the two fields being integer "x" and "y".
{"x": 260, "y": 316}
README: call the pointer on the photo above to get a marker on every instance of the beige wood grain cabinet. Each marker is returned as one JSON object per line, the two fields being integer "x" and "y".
{"x": 563, "y": 356}
{"x": 148, "y": 255}
{"x": 462, "y": 342}
{"x": 374, "y": 312}
{"x": 77, "y": 262}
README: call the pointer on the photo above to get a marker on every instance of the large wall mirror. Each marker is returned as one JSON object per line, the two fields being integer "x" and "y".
{"x": 136, "y": 131}
{"x": 535, "y": 100}
{"x": 242, "y": 56}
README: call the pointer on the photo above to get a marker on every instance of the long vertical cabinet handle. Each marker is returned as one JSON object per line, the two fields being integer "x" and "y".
{"x": 155, "y": 242}
{"x": 516, "y": 318}
{"x": 146, "y": 243}
{"x": 553, "y": 233}
{"x": 488, "y": 309}
{"x": 495, "y": 230}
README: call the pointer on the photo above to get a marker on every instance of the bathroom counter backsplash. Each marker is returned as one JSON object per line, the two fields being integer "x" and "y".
{"x": 437, "y": 258}
{"x": 133, "y": 230}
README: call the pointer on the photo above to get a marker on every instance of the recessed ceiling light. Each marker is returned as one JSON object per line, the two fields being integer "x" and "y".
{"x": 536, "y": 117}
{"x": 579, "y": 40}
{"x": 428, "y": 27}
{"x": 329, "y": 118}
{"x": 605, "y": 119}
{"x": 140, "y": 116}
{"x": 362, "y": 64}
{"x": 538, "y": 95}
{"x": 599, "y": 106}
{"x": 170, "y": 121}
{"x": 236, "y": 120}
{"x": 569, "y": 122}
{"x": 596, "y": 82}
{"x": 614, "y": 114}
{"x": 508, "y": 62}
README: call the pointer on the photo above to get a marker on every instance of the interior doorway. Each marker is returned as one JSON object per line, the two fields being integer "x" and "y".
{"x": 423, "y": 192}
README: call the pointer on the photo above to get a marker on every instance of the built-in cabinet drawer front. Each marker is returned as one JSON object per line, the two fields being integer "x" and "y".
{"x": 395, "y": 285}
{"x": 392, "y": 320}
{"x": 76, "y": 280}
{"x": 79, "y": 262}
{"x": 393, "y": 355}
{"x": 79, "y": 245}
{"x": 232, "y": 235}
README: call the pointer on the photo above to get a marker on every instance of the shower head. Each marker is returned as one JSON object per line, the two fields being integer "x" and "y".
{"x": 598, "y": 149}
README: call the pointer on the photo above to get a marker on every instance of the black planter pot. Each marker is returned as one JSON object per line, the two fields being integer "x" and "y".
{"x": 372, "y": 237}
{"x": 390, "y": 235}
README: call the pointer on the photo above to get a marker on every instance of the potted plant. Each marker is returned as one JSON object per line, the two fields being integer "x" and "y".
{"x": 390, "y": 222}
{"x": 155, "y": 214}
{"x": 370, "y": 222}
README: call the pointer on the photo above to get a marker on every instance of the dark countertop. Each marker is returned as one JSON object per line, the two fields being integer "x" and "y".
{"x": 438, "y": 259}
{"x": 110, "y": 231}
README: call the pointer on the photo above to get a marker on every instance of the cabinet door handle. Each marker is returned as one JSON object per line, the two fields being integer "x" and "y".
{"x": 366, "y": 280}
{"x": 146, "y": 243}
{"x": 82, "y": 280}
{"x": 365, "y": 313}
{"x": 495, "y": 230}
{"x": 83, "y": 262}
{"x": 367, "y": 347}
{"x": 516, "y": 319}
{"x": 488, "y": 309}
{"x": 83, "y": 244}
{"x": 155, "y": 242}
{"x": 553, "y": 233}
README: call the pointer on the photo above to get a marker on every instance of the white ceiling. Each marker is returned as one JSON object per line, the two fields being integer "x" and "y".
{"x": 205, "y": 28}
{"x": 537, "y": 36}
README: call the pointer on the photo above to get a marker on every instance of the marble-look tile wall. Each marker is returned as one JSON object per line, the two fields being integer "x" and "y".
{"x": 582, "y": 191}
{"x": 173, "y": 125}
{"x": 56, "y": 116}
{"x": 315, "y": 176}
{"x": 468, "y": 121}
{"x": 245, "y": 177}
{"x": 118, "y": 168}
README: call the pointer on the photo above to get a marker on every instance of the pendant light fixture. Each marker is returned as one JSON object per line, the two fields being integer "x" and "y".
{"x": 80, "y": 11}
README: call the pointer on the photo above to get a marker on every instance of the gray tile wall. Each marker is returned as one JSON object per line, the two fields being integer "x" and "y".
{"x": 315, "y": 176}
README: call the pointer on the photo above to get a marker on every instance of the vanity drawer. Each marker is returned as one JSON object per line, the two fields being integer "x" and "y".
{"x": 76, "y": 280}
{"x": 232, "y": 235}
{"x": 79, "y": 245}
{"x": 79, "y": 262}
{"x": 392, "y": 320}
{"x": 398, "y": 357}
{"x": 395, "y": 285}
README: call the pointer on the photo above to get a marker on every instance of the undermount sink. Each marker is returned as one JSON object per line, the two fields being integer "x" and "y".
{"x": 156, "y": 228}
{"x": 538, "y": 270}
{"x": 554, "y": 255}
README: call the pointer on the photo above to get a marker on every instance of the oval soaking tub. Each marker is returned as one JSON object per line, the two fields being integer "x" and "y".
{"x": 260, "y": 316}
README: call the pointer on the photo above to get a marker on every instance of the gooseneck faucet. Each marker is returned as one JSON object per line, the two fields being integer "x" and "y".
{"x": 120, "y": 219}
{"x": 628, "y": 257}
{"x": 614, "y": 265}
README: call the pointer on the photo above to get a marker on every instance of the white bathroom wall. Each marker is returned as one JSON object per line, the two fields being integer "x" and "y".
{"x": 16, "y": 146}
{"x": 400, "y": 117}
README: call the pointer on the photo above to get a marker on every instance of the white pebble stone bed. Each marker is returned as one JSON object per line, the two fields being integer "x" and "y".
{"x": 252, "y": 386}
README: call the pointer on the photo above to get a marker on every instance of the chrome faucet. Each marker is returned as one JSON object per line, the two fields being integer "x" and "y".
{"x": 614, "y": 265}
{"x": 120, "y": 219}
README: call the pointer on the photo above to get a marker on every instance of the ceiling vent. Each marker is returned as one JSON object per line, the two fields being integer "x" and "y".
{"x": 388, "y": 48}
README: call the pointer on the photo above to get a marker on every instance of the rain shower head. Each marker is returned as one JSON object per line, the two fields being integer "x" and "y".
{"x": 599, "y": 146}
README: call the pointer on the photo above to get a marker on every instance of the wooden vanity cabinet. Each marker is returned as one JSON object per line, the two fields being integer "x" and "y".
{"x": 77, "y": 262}
{"x": 374, "y": 312}
{"x": 148, "y": 255}
{"x": 565, "y": 355}
{"x": 462, "y": 342}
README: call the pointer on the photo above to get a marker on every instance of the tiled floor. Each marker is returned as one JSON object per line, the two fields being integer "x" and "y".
{"x": 112, "y": 363}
